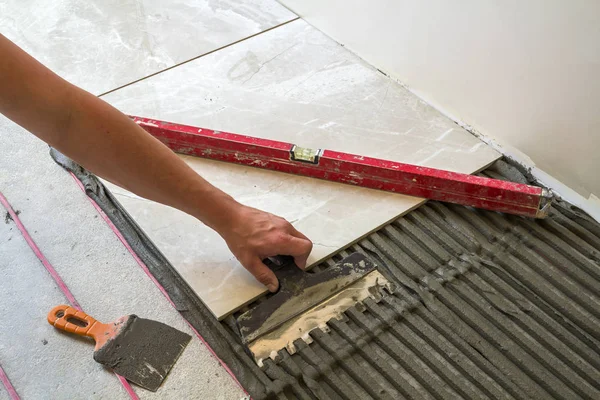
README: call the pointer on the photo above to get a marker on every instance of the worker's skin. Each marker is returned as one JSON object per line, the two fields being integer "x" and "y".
{"x": 110, "y": 144}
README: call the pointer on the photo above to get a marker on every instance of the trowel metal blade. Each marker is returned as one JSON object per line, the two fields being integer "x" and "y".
{"x": 298, "y": 292}
{"x": 144, "y": 352}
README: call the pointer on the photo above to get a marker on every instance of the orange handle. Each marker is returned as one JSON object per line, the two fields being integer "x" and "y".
{"x": 71, "y": 320}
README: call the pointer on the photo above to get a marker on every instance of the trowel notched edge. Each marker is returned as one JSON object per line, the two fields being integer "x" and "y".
{"x": 301, "y": 293}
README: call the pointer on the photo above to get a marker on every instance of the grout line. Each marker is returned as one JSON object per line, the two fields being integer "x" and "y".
{"x": 12, "y": 393}
{"x": 61, "y": 284}
{"x": 152, "y": 278}
{"x": 199, "y": 56}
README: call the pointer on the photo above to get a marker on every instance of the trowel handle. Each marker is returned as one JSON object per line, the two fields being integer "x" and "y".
{"x": 72, "y": 320}
{"x": 284, "y": 267}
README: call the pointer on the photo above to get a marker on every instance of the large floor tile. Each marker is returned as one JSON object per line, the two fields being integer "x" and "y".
{"x": 103, "y": 44}
{"x": 292, "y": 84}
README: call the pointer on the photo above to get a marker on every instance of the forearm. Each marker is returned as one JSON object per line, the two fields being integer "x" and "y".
{"x": 102, "y": 139}
{"x": 112, "y": 146}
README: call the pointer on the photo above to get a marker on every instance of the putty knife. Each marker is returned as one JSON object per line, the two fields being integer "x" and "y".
{"x": 140, "y": 350}
{"x": 302, "y": 294}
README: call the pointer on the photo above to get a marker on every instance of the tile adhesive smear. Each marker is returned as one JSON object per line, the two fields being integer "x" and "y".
{"x": 469, "y": 247}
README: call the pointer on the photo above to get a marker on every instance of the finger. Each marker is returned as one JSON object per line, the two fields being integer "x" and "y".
{"x": 301, "y": 261}
{"x": 298, "y": 248}
{"x": 263, "y": 274}
{"x": 297, "y": 233}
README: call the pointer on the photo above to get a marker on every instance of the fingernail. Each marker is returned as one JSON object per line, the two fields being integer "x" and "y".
{"x": 300, "y": 264}
{"x": 272, "y": 287}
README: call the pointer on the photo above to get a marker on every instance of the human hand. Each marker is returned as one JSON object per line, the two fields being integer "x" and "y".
{"x": 255, "y": 235}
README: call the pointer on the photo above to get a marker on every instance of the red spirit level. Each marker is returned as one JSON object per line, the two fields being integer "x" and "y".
{"x": 414, "y": 180}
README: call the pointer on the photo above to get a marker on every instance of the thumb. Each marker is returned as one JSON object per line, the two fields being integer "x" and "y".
{"x": 301, "y": 261}
{"x": 263, "y": 274}
{"x": 299, "y": 248}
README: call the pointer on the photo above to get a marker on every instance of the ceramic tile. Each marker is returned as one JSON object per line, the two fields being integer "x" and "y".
{"x": 292, "y": 84}
{"x": 103, "y": 44}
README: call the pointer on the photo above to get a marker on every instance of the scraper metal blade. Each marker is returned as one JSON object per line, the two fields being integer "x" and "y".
{"x": 298, "y": 292}
{"x": 141, "y": 350}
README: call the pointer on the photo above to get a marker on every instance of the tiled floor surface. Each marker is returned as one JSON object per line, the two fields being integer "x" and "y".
{"x": 290, "y": 81}
{"x": 296, "y": 85}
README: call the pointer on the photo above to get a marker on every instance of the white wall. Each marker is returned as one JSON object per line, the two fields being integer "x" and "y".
{"x": 523, "y": 72}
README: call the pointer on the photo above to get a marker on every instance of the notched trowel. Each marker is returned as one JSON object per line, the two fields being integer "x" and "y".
{"x": 305, "y": 301}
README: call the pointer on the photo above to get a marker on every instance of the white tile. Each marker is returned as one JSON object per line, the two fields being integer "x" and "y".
{"x": 296, "y": 85}
{"x": 103, "y": 44}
